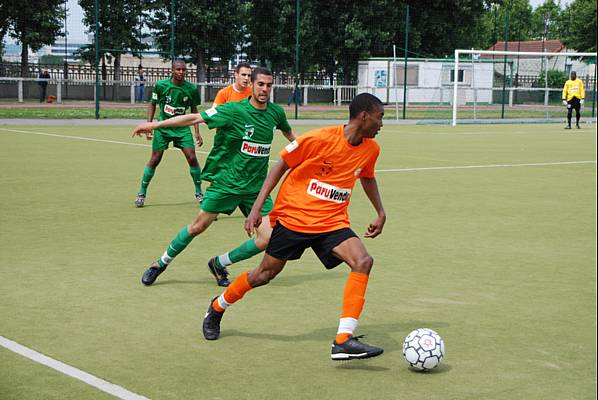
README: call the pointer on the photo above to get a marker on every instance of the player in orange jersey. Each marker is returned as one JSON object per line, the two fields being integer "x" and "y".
{"x": 311, "y": 211}
{"x": 239, "y": 90}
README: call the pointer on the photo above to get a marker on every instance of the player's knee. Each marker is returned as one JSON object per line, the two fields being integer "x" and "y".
{"x": 197, "y": 227}
{"x": 261, "y": 242}
{"x": 192, "y": 160}
{"x": 364, "y": 264}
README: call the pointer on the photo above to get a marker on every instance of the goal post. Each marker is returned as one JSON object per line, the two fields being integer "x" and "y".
{"x": 546, "y": 61}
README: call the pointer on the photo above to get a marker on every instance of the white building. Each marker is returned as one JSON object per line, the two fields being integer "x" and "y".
{"x": 428, "y": 80}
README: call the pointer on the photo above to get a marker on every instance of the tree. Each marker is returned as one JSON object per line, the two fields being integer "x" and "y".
{"x": 205, "y": 29}
{"x": 120, "y": 30}
{"x": 33, "y": 25}
{"x": 579, "y": 26}
{"x": 546, "y": 21}
{"x": 494, "y": 21}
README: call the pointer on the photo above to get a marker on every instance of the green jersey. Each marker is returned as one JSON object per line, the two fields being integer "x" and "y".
{"x": 238, "y": 161}
{"x": 174, "y": 100}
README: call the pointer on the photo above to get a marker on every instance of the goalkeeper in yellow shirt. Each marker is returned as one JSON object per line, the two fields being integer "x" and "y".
{"x": 573, "y": 95}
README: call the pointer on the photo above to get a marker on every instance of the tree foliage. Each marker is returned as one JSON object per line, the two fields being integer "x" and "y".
{"x": 579, "y": 26}
{"x": 120, "y": 23}
{"x": 35, "y": 24}
{"x": 205, "y": 29}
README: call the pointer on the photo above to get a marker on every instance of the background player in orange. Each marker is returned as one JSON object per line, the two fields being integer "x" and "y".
{"x": 239, "y": 90}
{"x": 311, "y": 211}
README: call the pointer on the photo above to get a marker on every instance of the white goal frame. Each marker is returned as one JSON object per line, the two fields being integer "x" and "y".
{"x": 458, "y": 52}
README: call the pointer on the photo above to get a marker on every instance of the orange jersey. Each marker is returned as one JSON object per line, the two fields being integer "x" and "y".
{"x": 315, "y": 194}
{"x": 229, "y": 93}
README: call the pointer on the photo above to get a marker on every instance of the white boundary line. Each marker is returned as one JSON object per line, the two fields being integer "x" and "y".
{"x": 66, "y": 369}
{"x": 484, "y": 166}
{"x": 84, "y": 138}
{"x": 439, "y": 168}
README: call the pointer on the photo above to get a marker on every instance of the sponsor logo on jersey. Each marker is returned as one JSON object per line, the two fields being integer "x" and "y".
{"x": 291, "y": 146}
{"x": 327, "y": 192}
{"x": 255, "y": 149}
{"x": 210, "y": 112}
{"x": 170, "y": 110}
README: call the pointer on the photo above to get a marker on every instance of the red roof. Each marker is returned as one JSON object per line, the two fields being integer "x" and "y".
{"x": 551, "y": 46}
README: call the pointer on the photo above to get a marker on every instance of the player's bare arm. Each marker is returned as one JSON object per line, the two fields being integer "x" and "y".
{"x": 182, "y": 120}
{"x": 290, "y": 135}
{"x": 151, "y": 111}
{"x": 254, "y": 219}
{"x": 370, "y": 187}
{"x": 198, "y": 138}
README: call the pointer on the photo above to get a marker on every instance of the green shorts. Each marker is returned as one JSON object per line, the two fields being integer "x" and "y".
{"x": 180, "y": 139}
{"x": 225, "y": 203}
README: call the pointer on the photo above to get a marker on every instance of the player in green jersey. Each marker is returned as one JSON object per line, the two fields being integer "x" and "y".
{"x": 238, "y": 164}
{"x": 173, "y": 96}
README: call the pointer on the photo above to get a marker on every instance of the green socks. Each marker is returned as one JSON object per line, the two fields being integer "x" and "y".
{"x": 196, "y": 175}
{"x": 148, "y": 174}
{"x": 179, "y": 243}
{"x": 246, "y": 250}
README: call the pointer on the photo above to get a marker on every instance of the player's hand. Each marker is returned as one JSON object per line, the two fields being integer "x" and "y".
{"x": 581, "y": 102}
{"x": 253, "y": 220}
{"x": 564, "y": 102}
{"x": 146, "y": 128}
{"x": 375, "y": 228}
{"x": 199, "y": 140}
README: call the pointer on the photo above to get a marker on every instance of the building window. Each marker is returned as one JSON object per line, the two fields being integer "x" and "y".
{"x": 460, "y": 76}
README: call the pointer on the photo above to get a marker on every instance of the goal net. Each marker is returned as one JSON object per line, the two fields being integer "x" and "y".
{"x": 495, "y": 85}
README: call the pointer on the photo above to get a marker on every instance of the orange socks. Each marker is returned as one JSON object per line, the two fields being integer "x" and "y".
{"x": 234, "y": 292}
{"x": 353, "y": 302}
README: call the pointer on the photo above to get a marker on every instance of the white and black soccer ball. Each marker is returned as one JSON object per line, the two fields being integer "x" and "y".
{"x": 423, "y": 349}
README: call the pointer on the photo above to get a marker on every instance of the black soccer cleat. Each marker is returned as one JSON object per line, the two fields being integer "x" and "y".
{"x": 577, "y": 126}
{"x": 220, "y": 273}
{"x": 152, "y": 273}
{"x": 568, "y": 127}
{"x": 211, "y": 322}
{"x": 353, "y": 349}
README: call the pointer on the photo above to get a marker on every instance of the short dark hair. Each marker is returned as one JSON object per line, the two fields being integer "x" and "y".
{"x": 260, "y": 71}
{"x": 242, "y": 65}
{"x": 364, "y": 102}
{"x": 179, "y": 61}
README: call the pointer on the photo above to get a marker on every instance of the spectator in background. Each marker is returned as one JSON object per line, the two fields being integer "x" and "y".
{"x": 43, "y": 84}
{"x": 294, "y": 97}
{"x": 140, "y": 87}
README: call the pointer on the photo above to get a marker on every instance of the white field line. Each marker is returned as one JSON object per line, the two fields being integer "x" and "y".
{"x": 66, "y": 369}
{"x": 83, "y": 138}
{"x": 484, "y": 166}
{"x": 450, "y": 167}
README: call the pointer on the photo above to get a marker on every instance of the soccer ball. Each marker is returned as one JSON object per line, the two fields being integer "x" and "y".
{"x": 423, "y": 349}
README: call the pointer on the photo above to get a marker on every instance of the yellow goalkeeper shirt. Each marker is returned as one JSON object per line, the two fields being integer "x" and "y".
{"x": 573, "y": 89}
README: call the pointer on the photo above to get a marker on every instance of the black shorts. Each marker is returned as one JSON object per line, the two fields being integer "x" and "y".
{"x": 574, "y": 103}
{"x": 286, "y": 244}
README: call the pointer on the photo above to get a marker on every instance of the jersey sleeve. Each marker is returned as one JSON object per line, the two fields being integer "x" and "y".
{"x": 369, "y": 169}
{"x": 283, "y": 123}
{"x": 220, "y": 116}
{"x": 195, "y": 100}
{"x": 298, "y": 150}
{"x": 156, "y": 93}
